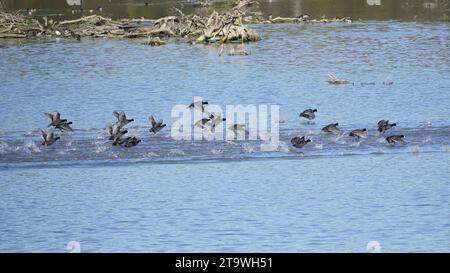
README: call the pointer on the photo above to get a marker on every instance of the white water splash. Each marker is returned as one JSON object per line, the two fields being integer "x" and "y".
{"x": 248, "y": 149}
{"x": 308, "y": 123}
{"x": 426, "y": 140}
{"x": 318, "y": 146}
{"x": 100, "y": 146}
{"x": 283, "y": 147}
{"x": 208, "y": 134}
{"x": 100, "y": 149}
{"x": 355, "y": 144}
{"x": 313, "y": 133}
{"x": 279, "y": 146}
{"x": 338, "y": 137}
{"x": 231, "y": 142}
{"x": 28, "y": 133}
{"x": 31, "y": 146}
{"x": 113, "y": 154}
{"x": 416, "y": 149}
{"x": 264, "y": 136}
{"x": 379, "y": 151}
{"x": 216, "y": 152}
{"x": 3, "y": 148}
{"x": 176, "y": 152}
{"x": 152, "y": 154}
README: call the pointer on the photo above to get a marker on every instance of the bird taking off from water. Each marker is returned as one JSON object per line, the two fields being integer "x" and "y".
{"x": 48, "y": 137}
{"x": 359, "y": 133}
{"x": 309, "y": 114}
{"x": 199, "y": 105}
{"x": 384, "y": 125}
{"x": 331, "y": 128}
{"x": 156, "y": 126}
{"x": 396, "y": 139}
{"x": 121, "y": 118}
{"x": 299, "y": 142}
{"x": 57, "y": 122}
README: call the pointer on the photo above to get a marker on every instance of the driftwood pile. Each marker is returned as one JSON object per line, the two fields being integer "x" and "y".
{"x": 15, "y": 25}
{"x": 217, "y": 27}
{"x": 214, "y": 27}
{"x": 201, "y": 27}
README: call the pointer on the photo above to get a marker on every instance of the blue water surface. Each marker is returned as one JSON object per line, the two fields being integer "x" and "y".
{"x": 336, "y": 194}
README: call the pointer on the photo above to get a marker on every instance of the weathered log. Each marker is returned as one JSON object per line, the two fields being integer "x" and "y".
{"x": 279, "y": 20}
{"x": 334, "y": 80}
{"x": 12, "y": 35}
{"x": 90, "y": 18}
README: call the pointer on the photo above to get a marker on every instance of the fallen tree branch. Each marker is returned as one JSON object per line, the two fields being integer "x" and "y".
{"x": 12, "y": 35}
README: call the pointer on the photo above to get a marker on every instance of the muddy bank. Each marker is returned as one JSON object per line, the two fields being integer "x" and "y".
{"x": 204, "y": 26}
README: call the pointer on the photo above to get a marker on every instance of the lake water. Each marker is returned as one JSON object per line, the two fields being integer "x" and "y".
{"x": 336, "y": 194}
{"x": 428, "y": 10}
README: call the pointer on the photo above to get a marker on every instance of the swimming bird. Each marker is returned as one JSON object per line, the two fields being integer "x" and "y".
{"x": 156, "y": 126}
{"x": 198, "y": 105}
{"x": 396, "y": 138}
{"x": 122, "y": 118}
{"x": 331, "y": 128}
{"x": 299, "y": 142}
{"x": 127, "y": 142}
{"x": 384, "y": 125}
{"x": 49, "y": 138}
{"x": 359, "y": 133}
{"x": 115, "y": 131}
{"x": 308, "y": 114}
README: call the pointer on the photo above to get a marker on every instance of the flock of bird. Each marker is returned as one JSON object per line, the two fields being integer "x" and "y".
{"x": 58, "y": 123}
{"x": 382, "y": 125}
{"x": 117, "y": 131}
